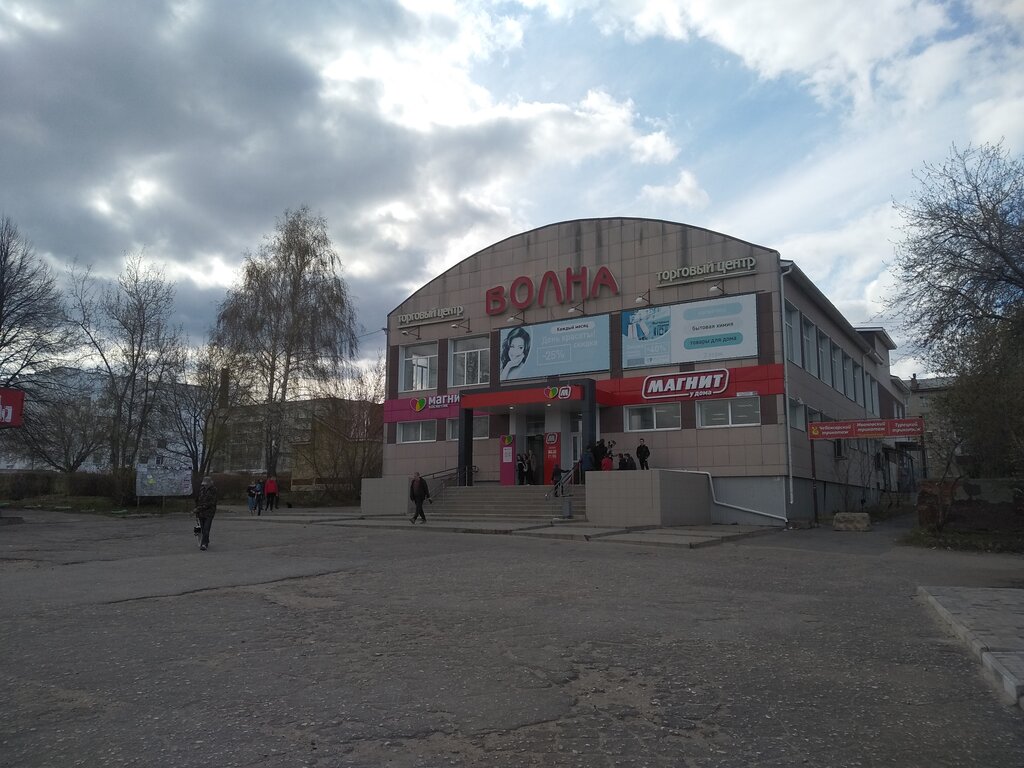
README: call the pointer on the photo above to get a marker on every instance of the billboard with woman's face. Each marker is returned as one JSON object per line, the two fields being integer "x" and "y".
{"x": 550, "y": 349}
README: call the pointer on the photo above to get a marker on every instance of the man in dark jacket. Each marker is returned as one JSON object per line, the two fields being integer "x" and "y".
{"x": 206, "y": 508}
{"x": 418, "y": 492}
{"x": 642, "y": 454}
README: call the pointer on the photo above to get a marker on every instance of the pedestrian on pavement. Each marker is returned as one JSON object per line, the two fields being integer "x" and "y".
{"x": 586, "y": 463}
{"x": 521, "y": 469}
{"x": 642, "y": 454}
{"x": 270, "y": 489}
{"x": 556, "y": 476}
{"x": 418, "y": 492}
{"x": 259, "y": 496}
{"x": 206, "y": 508}
{"x": 607, "y": 465}
{"x": 250, "y": 496}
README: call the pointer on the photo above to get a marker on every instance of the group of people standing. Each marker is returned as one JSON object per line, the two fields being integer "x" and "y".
{"x": 526, "y": 469}
{"x": 262, "y": 492}
{"x": 601, "y": 456}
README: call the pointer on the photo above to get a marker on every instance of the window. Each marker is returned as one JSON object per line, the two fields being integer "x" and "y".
{"x": 419, "y": 367}
{"x": 824, "y": 358}
{"x": 839, "y": 449}
{"x": 790, "y": 331}
{"x": 644, "y": 418}
{"x": 417, "y": 431}
{"x": 535, "y": 424}
{"x": 481, "y": 427}
{"x": 797, "y": 415}
{"x": 858, "y": 384}
{"x": 159, "y": 461}
{"x": 810, "y": 348}
{"x": 469, "y": 364}
{"x": 837, "y": 368}
{"x": 739, "y": 411}
{"x": 848, "y": 376}
{"x": 873, "y": 396}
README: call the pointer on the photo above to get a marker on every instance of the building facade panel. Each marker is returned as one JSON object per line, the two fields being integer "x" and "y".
{"x": 713, "y": 350}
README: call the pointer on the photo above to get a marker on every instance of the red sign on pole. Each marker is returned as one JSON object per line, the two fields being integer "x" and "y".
{"x": 552, "y": 453}
{"x": 12, "y": 406}
{"x": 843, "y": 430}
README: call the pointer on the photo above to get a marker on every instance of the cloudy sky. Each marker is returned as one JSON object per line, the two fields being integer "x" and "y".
{"x": 424, "y": 130}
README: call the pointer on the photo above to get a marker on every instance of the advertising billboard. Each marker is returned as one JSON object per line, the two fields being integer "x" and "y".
{"x": 695, "y": 332}
{"x": 550, "y": 349}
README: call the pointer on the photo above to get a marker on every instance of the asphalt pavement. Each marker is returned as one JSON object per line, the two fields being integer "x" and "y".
{"x": 316, "y": 638}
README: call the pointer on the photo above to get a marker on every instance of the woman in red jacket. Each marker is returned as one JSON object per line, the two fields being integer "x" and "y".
{"x": 270, "y": 489}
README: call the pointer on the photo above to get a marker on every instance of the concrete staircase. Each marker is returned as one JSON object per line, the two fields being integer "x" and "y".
{"x": 517, "y": 502}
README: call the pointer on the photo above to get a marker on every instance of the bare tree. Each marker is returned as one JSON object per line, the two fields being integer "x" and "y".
{"x": 66, "y": 421}
{"x": 291, "y": 316}
{"x": 32, "y": 330}
{"x": 347, "y": 435}
{"x": 961, "y": 261}
{"x": 984, "y": 403}
{"x": 202, "y": 399}
{"x": 126, "y": 329}
{"x": 961, "y": 294}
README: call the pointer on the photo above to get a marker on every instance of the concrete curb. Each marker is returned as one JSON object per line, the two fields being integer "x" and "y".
{"x": 1004, "y": 666}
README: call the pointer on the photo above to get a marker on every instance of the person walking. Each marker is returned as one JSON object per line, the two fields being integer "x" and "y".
{"x": 250, "y": 496}
{"x": 521, "y": 468}
{"x": 270, "y": 489}
{"x": 556, "y": 477}
{"x": 259, "y": 496}
{"x": 642, "y": 454}
{"x": 206, "y": 508}
{"x": 418, "y": 492}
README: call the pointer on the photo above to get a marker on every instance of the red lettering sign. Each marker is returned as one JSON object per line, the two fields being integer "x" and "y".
{"x": 523, "y": 294}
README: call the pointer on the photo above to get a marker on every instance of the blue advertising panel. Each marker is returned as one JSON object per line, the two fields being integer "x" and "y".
{"x": 713, "y": 329}
{"x": 549, "y": 349}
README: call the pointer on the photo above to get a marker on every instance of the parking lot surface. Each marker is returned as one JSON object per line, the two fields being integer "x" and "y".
{"x": 310, "y": 642}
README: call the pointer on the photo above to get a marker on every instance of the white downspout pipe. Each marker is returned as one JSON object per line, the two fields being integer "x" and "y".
{"x": 783, "y": 271}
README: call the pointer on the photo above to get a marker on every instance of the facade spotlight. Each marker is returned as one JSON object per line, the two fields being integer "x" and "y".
{"x": 644, "y": 298}
{"x": 414, "y": 332}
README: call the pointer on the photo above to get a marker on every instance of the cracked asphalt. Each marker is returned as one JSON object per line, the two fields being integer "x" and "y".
{"x": 302, "y": 644}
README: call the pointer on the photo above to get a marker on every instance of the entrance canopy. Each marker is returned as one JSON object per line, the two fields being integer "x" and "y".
{"x": 537, "y": 397}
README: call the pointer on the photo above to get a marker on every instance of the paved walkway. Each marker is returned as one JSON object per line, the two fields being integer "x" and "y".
{"x": 991, "y": 623}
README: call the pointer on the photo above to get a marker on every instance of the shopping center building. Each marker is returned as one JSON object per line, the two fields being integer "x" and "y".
{"x": 716, "y": 352}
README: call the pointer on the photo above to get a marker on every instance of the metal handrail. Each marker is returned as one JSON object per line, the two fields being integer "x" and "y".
{"x": 568, "y": 480}
{"x": 446, "y": 478}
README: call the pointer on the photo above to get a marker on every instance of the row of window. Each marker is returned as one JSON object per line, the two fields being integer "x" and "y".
{"x": 425, "y": 431}
{"x": 468, "y": 364}
{"x": 812, "y": 349}
{"x": 735, "y": 412}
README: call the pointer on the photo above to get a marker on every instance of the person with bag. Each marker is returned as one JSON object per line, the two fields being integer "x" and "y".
{"x": 206, "y": 508}
{"x": 418, "y": 491}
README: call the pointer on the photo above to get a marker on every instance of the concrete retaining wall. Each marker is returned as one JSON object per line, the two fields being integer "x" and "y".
{"x": 385, "y": 496}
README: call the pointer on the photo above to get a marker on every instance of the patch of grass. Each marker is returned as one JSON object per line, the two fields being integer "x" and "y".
{"x": 965, "y": 542}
